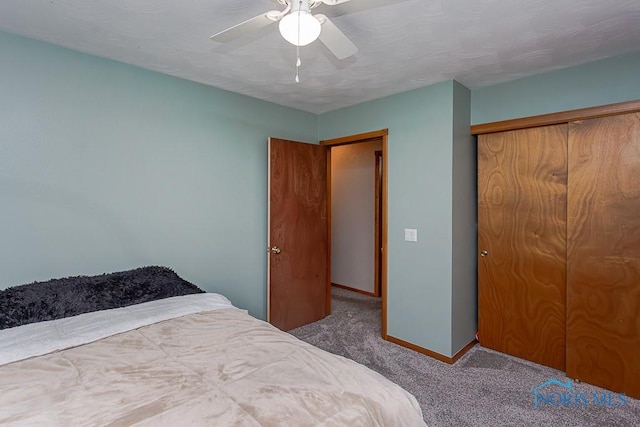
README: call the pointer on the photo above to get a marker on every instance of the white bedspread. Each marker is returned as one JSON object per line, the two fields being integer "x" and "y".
{"x": 218, "y": 366}
{"x": 36, "y": 339}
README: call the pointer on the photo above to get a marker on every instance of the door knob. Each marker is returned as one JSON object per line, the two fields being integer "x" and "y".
{"x": 275, "y": 250}
{"x": 484, "y": 253}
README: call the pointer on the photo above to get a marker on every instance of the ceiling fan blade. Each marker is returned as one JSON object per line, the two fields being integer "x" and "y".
{"x": 332, "y": 2}
{"x": 334, "y": 39}
{"x": 247, "y": 26}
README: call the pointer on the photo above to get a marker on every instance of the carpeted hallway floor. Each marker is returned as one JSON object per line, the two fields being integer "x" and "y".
{"x": 484, "y": 388}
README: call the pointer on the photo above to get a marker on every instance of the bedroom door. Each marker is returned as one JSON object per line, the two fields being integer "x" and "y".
{"x": 297, "y": 234}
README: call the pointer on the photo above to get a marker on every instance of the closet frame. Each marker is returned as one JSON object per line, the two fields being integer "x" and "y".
{"x": 557, "y": 118}
{"x": 602, "y": 162}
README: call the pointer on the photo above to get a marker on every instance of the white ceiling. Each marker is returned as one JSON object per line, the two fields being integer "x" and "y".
{"x": 403, "y": 44}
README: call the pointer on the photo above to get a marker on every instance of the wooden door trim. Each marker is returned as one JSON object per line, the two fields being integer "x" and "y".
{"x": 556, "y": 118}
{"x": 328, "y": 292}
{"x": 378, "y": 224}
{"x": 385, "y": 232}
{"x": 352, "y": 139}
{"x": 268, "y": 229}
{"x": 382, "y": 135}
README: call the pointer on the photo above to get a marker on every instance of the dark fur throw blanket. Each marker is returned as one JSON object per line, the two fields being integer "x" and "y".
{"x": 58, "y": 298}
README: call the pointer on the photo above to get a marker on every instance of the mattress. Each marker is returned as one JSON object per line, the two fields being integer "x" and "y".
{"x": 187, "y": 360}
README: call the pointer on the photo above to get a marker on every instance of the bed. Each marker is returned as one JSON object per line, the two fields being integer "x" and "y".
{"x": 175, "y": 357}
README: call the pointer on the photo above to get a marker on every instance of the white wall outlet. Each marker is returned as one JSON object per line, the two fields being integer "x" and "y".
{"x": 410, "y": 235}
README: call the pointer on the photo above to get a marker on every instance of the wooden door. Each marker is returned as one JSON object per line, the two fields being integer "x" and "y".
{"x": 298, "y": 268}
{"x": 522, "y": 178}
{"x": 603, "y": 253}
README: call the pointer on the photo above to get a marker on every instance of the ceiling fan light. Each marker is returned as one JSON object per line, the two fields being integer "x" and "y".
{"x": 299, "y": 35}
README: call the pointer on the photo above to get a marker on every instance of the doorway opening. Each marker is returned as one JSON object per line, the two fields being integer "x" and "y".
{"x": 366, "y": 231}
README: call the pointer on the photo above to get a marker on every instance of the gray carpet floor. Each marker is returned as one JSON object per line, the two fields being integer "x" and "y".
{"x": 483, "y": 388}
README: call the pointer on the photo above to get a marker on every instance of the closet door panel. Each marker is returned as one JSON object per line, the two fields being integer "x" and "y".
{"x": 603, "y": 253}
{"x": 522, "y": 243}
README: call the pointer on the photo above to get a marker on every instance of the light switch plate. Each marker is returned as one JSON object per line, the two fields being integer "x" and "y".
{"x": 410, "y": 235}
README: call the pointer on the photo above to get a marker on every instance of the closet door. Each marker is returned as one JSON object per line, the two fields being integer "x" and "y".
{"x": 522, "y": 243}
{"x": 603, "y": 253}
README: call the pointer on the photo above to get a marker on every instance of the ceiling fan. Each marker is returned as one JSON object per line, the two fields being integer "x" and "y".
{"x": 297, "y": 26}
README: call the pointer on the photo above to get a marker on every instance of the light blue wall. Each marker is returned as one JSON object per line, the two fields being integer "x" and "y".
{"x": 598, "y": 83}
{"x": 105, "y": 167}
{"x": 464, "y": 251}
{"x": 420, "y": 159}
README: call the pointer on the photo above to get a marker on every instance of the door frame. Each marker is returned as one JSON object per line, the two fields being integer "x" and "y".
{"x": 381, "y": 135}
{"x": 377, "y": 247}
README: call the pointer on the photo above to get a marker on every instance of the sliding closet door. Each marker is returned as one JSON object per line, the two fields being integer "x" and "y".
{"x": 522, "y": 243}
{"x": 603, "y": 274}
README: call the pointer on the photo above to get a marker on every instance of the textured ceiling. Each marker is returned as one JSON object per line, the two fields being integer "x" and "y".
{"x": 402, "y": 44}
